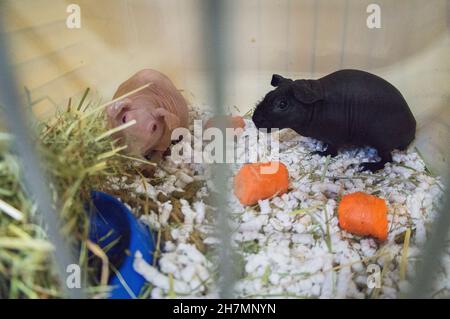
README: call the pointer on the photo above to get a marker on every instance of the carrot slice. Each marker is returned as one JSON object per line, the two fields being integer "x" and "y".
{"x": 254, "y": 182}
{"x": 364, "y": 215}
{"x": 230, "y": 121}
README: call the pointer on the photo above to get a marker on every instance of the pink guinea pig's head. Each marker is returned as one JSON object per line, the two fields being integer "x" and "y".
{"x": 150, "y": 123}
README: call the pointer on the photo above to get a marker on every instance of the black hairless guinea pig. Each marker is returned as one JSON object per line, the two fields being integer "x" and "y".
{"x": 345, "y": 108}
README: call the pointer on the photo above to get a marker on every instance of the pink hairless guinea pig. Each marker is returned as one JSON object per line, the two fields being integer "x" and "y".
{"x": 157, "y": 109}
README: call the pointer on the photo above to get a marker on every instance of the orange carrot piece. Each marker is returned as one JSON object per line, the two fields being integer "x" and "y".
{"x": 252, "y": 184}
{"x": 364, "y": 215}
{"x": 231, "y": 121}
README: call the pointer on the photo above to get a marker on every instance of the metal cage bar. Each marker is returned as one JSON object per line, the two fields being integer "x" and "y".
{"x": 33, "y": 178}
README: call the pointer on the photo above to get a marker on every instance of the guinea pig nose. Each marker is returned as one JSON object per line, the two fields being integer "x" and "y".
{"x": 259, "y": 120}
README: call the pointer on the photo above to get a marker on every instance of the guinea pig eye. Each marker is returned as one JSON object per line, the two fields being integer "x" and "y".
{"x": 281, "y": 105}
{"x": 124, "y": 118}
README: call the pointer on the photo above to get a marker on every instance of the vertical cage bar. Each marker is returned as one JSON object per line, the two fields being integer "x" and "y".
{"x": 33, "y": 178}
{"x": 436, "y": 245}
{"x": 217, "y": 47}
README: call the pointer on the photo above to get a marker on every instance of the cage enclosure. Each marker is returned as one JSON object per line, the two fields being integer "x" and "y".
{"x": 221, "y": 56}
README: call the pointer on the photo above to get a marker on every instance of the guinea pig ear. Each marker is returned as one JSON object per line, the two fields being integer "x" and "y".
{"x": 114, "y": 109}
{"x": 276, "y": 80}
{"x": 307, "y": 91}
{"x": 172, "y": 121}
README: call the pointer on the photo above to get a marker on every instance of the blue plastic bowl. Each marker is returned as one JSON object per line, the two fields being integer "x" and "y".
{"x": 110, "y": 220}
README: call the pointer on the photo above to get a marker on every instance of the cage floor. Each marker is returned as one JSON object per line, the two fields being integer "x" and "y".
{"x": 291, "y": 246}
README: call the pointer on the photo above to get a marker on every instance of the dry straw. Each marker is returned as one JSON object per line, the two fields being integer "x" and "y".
{"x": 79, "y": 155}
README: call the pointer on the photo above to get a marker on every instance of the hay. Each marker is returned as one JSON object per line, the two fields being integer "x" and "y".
{"x": 79, "y": 155}
{"x": 24, "y": 249}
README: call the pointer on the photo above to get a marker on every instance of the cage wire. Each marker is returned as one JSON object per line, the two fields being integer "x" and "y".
{"x": 216, "y": 45}
{"x": 34, "y": 180}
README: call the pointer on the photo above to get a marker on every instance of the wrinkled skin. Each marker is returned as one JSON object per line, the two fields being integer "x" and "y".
{"x": 347, "y": 108}
{"x": 157, "y": 109}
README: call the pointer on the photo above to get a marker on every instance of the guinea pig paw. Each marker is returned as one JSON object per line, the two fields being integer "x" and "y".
{"x": 372, "y": 166}
{"x": 327, "y": 152}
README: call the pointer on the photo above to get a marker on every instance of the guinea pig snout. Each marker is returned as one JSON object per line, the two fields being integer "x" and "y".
{"x": 260, "y": 121}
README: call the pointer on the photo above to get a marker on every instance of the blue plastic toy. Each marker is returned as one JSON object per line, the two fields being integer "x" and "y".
{"x": 110, "y": 220}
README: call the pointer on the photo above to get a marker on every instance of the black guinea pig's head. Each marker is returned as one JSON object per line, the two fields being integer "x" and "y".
{"x": 288, "y": 106}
